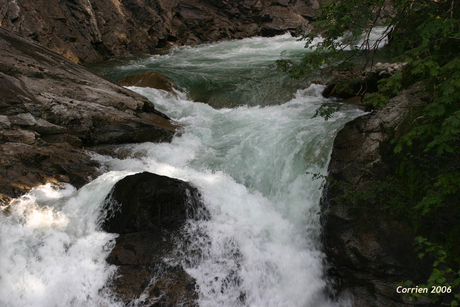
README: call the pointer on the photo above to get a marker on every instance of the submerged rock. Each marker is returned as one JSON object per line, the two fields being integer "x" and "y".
{"x": 149, "y": 211}
{"x": 369, "y": 252}
{"x": 150, "y": 79}
{"x": 51, "y": 109}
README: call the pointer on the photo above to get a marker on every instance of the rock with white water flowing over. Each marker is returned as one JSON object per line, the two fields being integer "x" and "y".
{"x": 149, "y": 210}
{"x": 150, "y": 79}
{"x": 353, "y": 86}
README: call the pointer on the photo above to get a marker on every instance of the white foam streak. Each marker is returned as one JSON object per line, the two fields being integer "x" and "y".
{"x": 52, "y": 253}
{"x": 377, "y": 38}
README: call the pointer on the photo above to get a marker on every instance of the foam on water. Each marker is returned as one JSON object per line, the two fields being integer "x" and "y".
{"x": 253, "y": 166}
{"x": 52, "y": 252}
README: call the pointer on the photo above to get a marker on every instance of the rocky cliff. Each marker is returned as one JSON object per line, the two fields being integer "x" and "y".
{"x": 87, "y": 31}
{"x": 369, "y": 252}
{"x": 52, "y": 110}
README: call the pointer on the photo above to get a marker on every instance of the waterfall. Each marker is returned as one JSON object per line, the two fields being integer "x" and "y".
{"x": 250, "y": 143}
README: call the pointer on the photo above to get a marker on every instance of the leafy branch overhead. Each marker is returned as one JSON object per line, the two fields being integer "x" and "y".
{"x": 425, "y": 34}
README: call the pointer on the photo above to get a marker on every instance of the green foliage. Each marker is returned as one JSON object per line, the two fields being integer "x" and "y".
{"x": 441, "y": 276}
{"x": 425, "y": 188}
{"x": 326, "y": 111}
{"x": 343, "y": 31}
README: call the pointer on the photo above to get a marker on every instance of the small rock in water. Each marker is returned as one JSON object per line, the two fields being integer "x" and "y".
{"x": 150, "y": 79}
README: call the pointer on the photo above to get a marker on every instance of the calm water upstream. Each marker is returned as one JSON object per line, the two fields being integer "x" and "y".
{"x": 249, "y": 143}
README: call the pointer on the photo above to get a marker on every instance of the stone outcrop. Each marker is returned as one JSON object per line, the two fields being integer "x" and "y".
{"x": 87, "y": 31}
{"x": 52, "y": 109}
{"x": 369, "y": 252}
{"x": 148, "y": 211}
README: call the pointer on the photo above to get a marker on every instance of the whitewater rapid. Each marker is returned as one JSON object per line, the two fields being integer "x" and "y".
{"x": 253, "y": 163}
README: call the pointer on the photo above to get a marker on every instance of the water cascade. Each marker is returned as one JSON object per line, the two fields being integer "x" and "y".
{"x": 250, "y": 143}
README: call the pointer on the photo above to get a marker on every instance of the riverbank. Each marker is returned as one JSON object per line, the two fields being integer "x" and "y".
{"x": 370, "y": 252}
{"x": 87, "y": 31}
{"x": 53, "y": 111}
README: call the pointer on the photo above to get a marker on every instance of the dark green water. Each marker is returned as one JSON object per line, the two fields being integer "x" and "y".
{"x": 236, "y": 73}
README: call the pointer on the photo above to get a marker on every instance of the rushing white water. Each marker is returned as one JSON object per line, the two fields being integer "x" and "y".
{"x": 253, "y": 165}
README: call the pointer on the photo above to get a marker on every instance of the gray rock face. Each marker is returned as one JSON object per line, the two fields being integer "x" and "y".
{"x": 149, "y": 212}
{"x": 87, "y": 31}
{"x": 52, "y": 108}
{"x": 369, "y": 252}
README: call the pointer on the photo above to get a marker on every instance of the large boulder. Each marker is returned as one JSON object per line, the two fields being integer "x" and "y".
{"x": 149, "y": 212}
{"x": 87, "y": 31}
{"x": 148, "y": 201}
{"x": 51, "y": 109}
{"x": 369, "y": 252}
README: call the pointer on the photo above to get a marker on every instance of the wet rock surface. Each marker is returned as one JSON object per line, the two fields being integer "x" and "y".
{"x": 353, "y": 86}
{"x": 52, "y": 110}
{"x": 370, "y": 253}
{"x": 149, "y": 211}
{"x": 145, "y": 200}
{"x": 150, "y": 79}
{"x": 87, "y": 31}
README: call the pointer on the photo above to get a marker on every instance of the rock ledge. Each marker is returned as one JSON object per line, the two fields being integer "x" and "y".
{"x": 53, "y": 110}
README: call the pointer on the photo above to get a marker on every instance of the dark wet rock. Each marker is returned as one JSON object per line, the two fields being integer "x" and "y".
{"x": 150, "y": 79}
{"x": 149, "y": 211}
{"x": 51, "y": 109}
{"x": 350, "y": 85}
{"x": 23, "y": 166}
{"x": 145, "y": 200}
{"x": 369, "y": 252}
{"x": 87, "y": 31}
{"x": 355, "y": 85}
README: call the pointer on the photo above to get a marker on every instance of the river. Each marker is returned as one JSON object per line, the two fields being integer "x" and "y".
{"x": 250, "y": 143}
